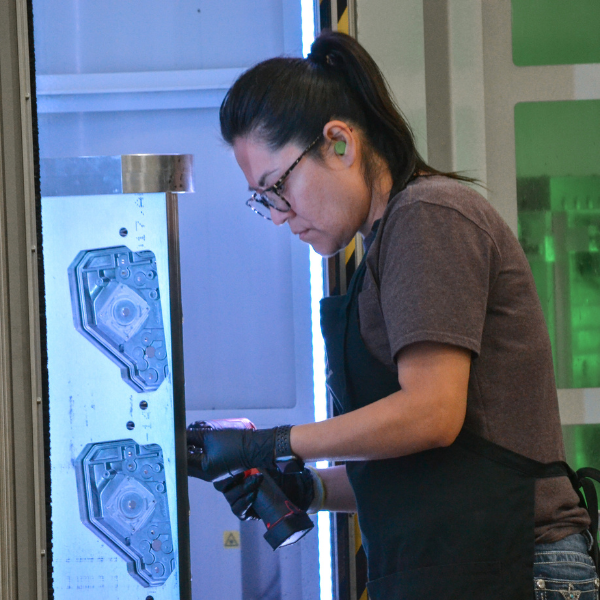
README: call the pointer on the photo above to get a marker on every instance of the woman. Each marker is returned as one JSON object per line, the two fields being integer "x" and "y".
{"x": 439, "y": 361}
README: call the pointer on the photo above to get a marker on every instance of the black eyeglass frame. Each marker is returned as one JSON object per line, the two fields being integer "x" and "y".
{"x": 262, "y": 199}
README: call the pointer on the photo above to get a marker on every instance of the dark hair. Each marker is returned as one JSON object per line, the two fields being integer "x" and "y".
{"x": 283, "y": 100}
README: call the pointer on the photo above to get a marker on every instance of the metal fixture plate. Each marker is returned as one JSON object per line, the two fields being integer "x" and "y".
{"x": 123, "y": 499}
{"x": 115, "y": 299}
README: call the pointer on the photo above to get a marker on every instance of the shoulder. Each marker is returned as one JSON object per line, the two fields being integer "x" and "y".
{"x": 437, "y": 221}
{"x": 436, "y": 211}
{"x": 442, "y": 196}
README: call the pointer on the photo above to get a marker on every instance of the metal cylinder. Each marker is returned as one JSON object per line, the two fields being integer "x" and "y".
{"x": 149, "y": 173}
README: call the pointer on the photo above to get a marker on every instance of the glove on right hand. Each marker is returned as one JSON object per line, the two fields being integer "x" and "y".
{"x": 241, "y": 491}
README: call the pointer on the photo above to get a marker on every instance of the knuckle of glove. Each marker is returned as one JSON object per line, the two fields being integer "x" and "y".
{"x": 298, "y": 487}
{"x": 229, "y": 483}
{"x": 231, "y": 451}
{"x": 222, "y": 454}
{"x": 242, "y": 507}
{"x": 243, "y": 489}
{"x": 241, "y": 493}
{"x": 194, "y": 462}
{"x": 260, "y": 448}
{"x": 194, "y": 435}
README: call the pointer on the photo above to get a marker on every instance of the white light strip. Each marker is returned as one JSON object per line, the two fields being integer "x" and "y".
{"x": 308, "y": 25}
{"x": 325, "y": 574}
{"x": 323, "y": 523}
{"x": 318, "y": 345}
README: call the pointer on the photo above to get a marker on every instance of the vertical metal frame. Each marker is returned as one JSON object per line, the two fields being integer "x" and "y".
{"x": 183, "y": 509}
{"x": 22, "y": 510}
{"x": 437, "y": 84}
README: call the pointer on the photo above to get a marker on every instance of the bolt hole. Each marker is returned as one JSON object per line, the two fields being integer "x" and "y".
{"x": 130, "y": 425}
{"x": 123, "y": 232}
{"x": 143, "y": 405}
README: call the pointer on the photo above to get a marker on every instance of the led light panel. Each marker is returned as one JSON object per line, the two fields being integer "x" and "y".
{"x": 113, "y": 485}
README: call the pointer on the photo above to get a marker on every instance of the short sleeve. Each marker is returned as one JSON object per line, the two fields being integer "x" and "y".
{"x": 436, "y": 268}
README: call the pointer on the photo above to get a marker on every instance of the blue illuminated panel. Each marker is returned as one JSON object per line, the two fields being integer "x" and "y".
{"x": 112, "y": 437}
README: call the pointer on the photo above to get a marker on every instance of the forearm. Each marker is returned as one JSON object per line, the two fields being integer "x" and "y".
{"x": 427, "y": 412}
{"x": 339, "y": 496}
{"x": 394, "y": 426}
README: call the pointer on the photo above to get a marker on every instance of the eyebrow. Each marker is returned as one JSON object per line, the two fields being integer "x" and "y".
{"x": 261, "y": 181}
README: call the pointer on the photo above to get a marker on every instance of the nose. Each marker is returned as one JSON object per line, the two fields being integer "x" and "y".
{"x": 278, "y": 217}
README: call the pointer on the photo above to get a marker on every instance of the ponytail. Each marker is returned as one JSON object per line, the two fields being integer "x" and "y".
{"x": 284, "y": 100}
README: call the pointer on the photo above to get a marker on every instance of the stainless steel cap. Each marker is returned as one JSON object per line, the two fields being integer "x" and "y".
{"x": 149, "y": 173}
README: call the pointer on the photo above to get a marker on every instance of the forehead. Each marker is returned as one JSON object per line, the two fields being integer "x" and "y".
{"x": 262, "y": 165}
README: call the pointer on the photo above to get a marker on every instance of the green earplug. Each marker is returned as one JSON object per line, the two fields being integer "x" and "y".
{"x": 340, "y": 148}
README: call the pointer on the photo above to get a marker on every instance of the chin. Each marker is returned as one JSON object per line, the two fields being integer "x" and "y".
{"x": 326, "y": 250}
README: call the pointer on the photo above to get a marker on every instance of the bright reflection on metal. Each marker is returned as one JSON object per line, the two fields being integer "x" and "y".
{"x": 316, "y": 293}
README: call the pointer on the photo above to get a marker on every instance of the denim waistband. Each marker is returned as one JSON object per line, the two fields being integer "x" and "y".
{"x": 578, "y": 542}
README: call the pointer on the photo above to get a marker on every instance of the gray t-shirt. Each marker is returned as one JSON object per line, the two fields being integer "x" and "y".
{"x": 445, "y": 267}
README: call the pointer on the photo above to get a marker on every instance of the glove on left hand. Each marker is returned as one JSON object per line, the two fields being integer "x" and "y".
{"x": 220, "y": 453}
{"x": 241, "y": 491}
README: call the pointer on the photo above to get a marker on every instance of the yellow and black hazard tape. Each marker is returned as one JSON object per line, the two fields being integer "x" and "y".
{"x": 343, "y": 16}
{"x": 360, "y": 564}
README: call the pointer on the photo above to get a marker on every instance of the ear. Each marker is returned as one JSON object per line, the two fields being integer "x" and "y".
{"x": 339, "y": 131}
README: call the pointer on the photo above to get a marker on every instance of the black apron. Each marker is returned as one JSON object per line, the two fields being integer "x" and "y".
{"x": 449, "y": 523}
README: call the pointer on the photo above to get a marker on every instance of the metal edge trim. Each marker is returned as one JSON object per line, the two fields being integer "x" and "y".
{"x": 183, "y": 508}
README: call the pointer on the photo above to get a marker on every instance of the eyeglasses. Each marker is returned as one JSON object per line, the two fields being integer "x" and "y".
{"x": 262, "y": 202}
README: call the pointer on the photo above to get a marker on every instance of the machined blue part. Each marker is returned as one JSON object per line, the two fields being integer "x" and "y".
{"x": 115, "y": 299}
{"x": 123, "y": 500}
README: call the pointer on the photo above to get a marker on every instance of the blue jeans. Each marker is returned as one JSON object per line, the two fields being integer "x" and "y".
{"x": 565, "y": 571}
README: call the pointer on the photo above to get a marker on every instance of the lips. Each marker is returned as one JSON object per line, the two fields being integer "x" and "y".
{"x": 298, "y": 231}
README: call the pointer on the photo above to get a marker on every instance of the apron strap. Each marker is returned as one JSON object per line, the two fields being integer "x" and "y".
{"x": 583, "y": 482}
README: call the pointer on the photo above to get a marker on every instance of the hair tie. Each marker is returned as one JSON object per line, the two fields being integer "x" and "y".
{"x": 320, "y": 59}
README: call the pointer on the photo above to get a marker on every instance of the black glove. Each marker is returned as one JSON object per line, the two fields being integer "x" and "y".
{"x": 215, "y": 454}
{"x": 241, "y": 492}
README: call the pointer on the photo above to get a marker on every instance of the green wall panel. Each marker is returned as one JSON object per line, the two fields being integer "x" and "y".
{"x": 558, "y": 197}
{"x": 555, "y": 32}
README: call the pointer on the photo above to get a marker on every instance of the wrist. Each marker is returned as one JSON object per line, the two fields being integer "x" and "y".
{"x": 318, "y": 501}
{"x": 285, "y": 459}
